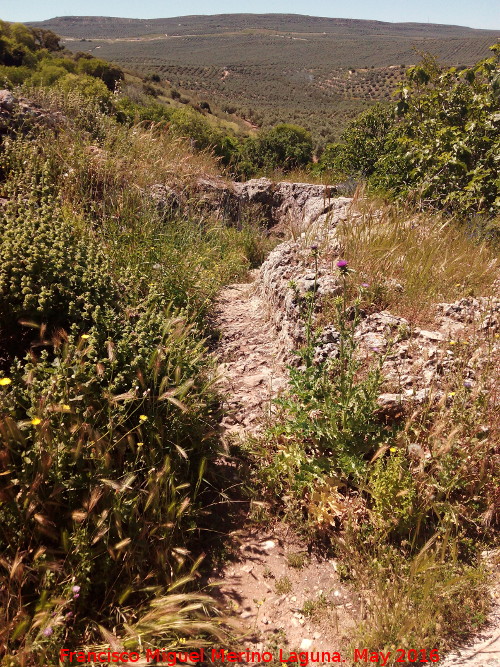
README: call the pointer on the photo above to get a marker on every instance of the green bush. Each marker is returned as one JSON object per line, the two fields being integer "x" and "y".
{"x": 108, "y": 73}
{"x": 50, "y": 274}
{"x": 439, "y": 145}
{"x": 20, "y": 45}
{"x": 284, "y": 147}
{"x": 86, "y": 86}
{"x": 363, "y": 141}
{"x": 393, "y": 492}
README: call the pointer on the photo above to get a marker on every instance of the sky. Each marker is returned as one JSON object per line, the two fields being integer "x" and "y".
{"x": 475, "y": 14}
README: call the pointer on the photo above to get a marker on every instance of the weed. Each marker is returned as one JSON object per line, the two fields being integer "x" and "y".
{"x": 283, "y": 586}
{"x": 296, "y": 560}
{"x": 314, "y": 607}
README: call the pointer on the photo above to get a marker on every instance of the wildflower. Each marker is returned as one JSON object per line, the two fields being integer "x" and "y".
{"x": 4, "y": 382}
{"x": 342, "y": 264}
{"x": 468, "y": 384}
{"x": 35, "y": 421}
{"x": 140, "y": 444}
{"x": 65, "y": 407}
{"x": 143, "y": 418}
{"x": 76, "y": 589}
{"x": 452, "y": 342}
{"x": 68, "y": 615}
{"x": 393, "y": 449}
{"x": 48, "y": 631}
{"x": 451, "y": 394}
{"x": 85, "y": 336}
{"x": 365, "y": 285}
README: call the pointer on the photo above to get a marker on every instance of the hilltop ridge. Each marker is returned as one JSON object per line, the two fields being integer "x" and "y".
{"x": 107, "y": 26}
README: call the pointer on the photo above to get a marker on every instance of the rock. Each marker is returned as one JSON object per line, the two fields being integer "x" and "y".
{"x": 390, "y": 405}
{"x": 7, "y": 100}
{"x": 430, "y": 335}
{"x": 305, "y": 644}
{"x": 268, "y": 545}
{"x": 166, "y": 198}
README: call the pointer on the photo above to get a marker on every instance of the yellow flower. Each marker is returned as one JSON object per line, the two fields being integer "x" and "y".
{"x": 451, "y": 394}
{"x": 140, "y": 444}
{"x": 35, "y": 421}
{"x": 5, "y": 381}
{"x": 85, "y": 336}
{"x": 393, "y": 449}
{"x": 143, "y": 418}
{"x": 66, "y": 407}
{"x": 452, "y": 342}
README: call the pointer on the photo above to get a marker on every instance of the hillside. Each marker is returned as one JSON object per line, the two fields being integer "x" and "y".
{"x": 246, "y": 413}
{"x": 275, "y": 67}
{"x": 108, "y": 26}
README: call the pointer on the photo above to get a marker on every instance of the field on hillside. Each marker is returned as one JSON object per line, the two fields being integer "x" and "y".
{"x": 316, "y": 72}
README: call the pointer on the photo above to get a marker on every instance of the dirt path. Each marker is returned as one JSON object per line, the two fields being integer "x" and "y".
{"x": 250, "y": 372}
{"x": 285, "y": 598}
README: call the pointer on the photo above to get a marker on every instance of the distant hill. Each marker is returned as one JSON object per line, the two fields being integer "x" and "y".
{"x": 317, "y": 72}
{"x": 95, "y": 27}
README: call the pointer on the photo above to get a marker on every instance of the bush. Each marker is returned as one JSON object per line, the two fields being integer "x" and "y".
{"x": 284, "y": 147}
{"x": 49, "y": 274}
{"x": 88, "y": 87}
{"x": 109, "y": 74}
{"x": 363, "y": 141}
{"x": 439, "y": 145}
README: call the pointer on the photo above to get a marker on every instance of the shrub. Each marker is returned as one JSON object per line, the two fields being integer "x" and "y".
{"x": 88, "y": 87}
{"x": 363, "y": 141}
{"x": 439, "y": 145}
{"x": 283, "y": 147}
{"x": 49, "y": 274}
{"x": 108, "y": 73}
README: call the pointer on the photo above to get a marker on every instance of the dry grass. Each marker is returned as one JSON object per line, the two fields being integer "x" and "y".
{"x": 412, "y": 260}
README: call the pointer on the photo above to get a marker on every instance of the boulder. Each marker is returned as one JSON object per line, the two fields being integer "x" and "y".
{"x": 7, "y": 100}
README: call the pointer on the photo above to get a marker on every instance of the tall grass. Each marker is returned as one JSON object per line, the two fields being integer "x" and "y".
{"x": 413, "y": 260}
{"x": 107, "y": 409}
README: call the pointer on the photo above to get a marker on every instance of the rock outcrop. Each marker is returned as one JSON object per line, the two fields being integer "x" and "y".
{"x": 19, "y": 113}
{"x": 277, "y": 205}
{"x": 417, "y": 363}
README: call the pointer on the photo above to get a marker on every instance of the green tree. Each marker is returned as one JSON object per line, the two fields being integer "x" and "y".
{"x": 363, "y": 141}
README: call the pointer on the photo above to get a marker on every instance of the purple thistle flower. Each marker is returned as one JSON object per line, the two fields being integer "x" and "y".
{"x": 48, "y": 631}
{"x": 342, "y": 263}
{"x": 365, "y": 285}
{"x": 76, "y": 589}
{"x": 468, "y": 384}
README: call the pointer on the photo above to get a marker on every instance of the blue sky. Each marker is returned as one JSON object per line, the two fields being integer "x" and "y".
{"x": 478, "y": 14}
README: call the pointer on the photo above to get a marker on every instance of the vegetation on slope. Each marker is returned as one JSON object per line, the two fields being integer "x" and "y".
{"x": 107, "y": 417}
{"x": 107, "y": 411}
{"x": 407, "y": 500}
{"x": 275, "y": 68}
